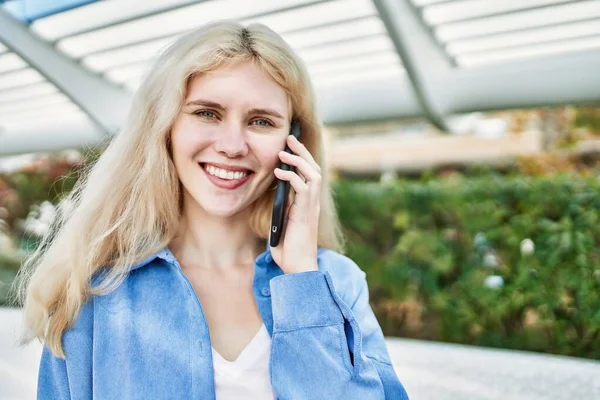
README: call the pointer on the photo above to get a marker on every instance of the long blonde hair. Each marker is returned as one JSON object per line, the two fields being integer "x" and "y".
{"x": 127, "y": 205}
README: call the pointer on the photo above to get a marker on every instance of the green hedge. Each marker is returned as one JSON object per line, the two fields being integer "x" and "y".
{"x": 428, "y": 248}
{"x": 9, "y": 265}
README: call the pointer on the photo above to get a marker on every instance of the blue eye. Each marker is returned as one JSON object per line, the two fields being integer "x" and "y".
{"x": 266, "y": 122}
{"x": 205, "y": 113}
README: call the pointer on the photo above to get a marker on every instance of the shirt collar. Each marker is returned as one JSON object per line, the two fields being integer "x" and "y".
{"x": 166, "y": 254}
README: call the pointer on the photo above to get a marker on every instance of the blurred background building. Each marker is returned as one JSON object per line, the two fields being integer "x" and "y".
{"x": 389, "y": 71}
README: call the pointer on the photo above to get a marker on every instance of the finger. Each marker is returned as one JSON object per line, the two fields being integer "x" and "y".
{"x": 297, "y": 183}
{"x": 304, "y": 168}
{"x": 301, "y": 176}
{"x": 298, "y": 148}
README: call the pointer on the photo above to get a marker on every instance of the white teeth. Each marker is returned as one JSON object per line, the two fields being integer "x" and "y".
{"x": 221, "y": 173}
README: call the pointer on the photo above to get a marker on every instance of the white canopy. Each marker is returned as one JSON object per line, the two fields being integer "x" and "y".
{"x": 67, "y": 75}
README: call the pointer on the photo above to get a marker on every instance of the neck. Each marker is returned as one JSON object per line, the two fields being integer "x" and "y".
{"x": 219, "y": 243}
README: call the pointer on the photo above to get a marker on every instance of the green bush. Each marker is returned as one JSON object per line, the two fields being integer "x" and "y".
{"x": 9, "y": 265}
{"x": 444, "y": 260}
{"x": 429, "y": 248}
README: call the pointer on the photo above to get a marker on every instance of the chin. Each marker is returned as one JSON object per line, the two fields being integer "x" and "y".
{"x": 221, "y": 206}
{"x": 221, "y": 210}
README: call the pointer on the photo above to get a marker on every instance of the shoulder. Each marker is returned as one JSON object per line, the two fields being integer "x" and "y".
{"x": 124, "y": 290}
{"x": 347, "y": 277}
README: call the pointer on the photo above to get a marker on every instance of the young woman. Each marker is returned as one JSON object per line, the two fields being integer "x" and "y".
{"x": 159, "y": 281}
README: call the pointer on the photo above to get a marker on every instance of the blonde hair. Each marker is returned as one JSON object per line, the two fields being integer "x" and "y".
{"x": 127, "y": 205}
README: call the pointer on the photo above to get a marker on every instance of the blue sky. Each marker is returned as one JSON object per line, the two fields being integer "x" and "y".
{"x": 30, "y": 10}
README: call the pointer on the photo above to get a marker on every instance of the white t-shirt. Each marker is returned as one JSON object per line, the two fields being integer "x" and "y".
{"x": 248, "y": 376}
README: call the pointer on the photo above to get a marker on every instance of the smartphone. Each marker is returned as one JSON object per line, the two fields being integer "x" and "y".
{"x": 282, "y": 192}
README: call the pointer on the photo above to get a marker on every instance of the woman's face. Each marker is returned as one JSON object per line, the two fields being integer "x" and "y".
{"x": 226, "y": 140}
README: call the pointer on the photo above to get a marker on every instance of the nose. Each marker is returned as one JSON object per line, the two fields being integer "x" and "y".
{"x": 231, "y": 141}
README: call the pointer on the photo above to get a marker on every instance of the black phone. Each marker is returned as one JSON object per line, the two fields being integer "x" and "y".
{"x": 282, "y": 192}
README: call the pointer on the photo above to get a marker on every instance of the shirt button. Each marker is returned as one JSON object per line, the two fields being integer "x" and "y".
{"x": 268, "y": 258}
{"x": 266, "y": 291}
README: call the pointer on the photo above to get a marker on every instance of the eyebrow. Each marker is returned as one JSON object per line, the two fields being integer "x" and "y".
{"x": 217, "y": 106}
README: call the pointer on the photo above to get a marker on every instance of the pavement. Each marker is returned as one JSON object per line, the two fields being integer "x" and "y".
{"x": 440, "y": 371}
{"x": 428, "y": 370}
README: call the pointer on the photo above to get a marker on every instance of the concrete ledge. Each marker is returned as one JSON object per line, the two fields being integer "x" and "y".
{"x": 370, "y": 154}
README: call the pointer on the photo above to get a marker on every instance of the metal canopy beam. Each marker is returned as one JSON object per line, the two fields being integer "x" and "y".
{"x": 444, "y": 89}
{"x": 373, "y": 100}
{"x": 73, "y": 134}
{"x": 104, "y": 103}
{"x": 420, "y": 55}
{"x": 545, "y": 81}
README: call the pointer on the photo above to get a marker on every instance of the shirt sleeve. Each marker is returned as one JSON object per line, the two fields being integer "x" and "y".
{"x": 324, "y": 348}
{"x": 69, "y": 378}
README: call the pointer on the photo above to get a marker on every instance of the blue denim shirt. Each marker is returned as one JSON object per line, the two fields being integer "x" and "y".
{"x": 148, "y": 339}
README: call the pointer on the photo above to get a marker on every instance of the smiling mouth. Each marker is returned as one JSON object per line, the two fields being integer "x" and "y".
{"x": 224, "y": 174}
